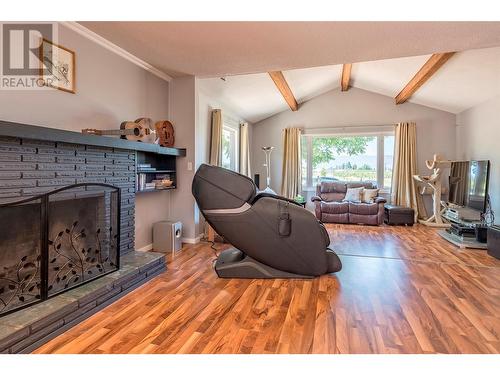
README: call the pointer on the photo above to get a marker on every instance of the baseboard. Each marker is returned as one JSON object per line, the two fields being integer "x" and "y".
{"x": 192, "y": 240}
{"x": 146, "y": 248}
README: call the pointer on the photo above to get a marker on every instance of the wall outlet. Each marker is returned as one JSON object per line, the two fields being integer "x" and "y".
{"x": 190, "y": 166}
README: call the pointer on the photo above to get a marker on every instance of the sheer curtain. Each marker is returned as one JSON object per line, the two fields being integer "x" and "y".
{"x": 292, "y": 171}
{"x": 245, "y": 150}
{"x": 216, "y": 138}
{"x": 404, "y": 192}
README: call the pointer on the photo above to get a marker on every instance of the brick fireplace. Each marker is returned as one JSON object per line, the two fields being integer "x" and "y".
{"x": 32, "y": 167}
{"x": 67, "y": 206}
{"x": 57, "y": 241}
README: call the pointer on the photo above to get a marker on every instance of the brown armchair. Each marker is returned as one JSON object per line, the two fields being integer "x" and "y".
{"x": 330, "y": 207}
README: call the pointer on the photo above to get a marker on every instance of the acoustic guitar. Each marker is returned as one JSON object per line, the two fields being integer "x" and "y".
{"x": 140, "y": 130}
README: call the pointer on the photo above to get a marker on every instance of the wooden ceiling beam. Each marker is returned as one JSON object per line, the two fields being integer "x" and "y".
{"x": 346, "y": 77}
{"x": 284, "y": 89}
{"x": 432, "y": 65}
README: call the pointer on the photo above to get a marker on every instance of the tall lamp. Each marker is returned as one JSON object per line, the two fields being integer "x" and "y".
{"x": 267, "y": 150}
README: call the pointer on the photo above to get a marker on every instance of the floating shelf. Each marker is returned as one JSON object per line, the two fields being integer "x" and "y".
{"x": 158, "y": 171}
{"x": 41, "y": 133}
{"x": 163, "y": 164}
{"x": 153, "y": 190}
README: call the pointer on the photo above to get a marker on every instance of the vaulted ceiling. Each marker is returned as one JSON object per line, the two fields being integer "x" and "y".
{"x": 468, "y": 78}
{"x": 385, "y": 56}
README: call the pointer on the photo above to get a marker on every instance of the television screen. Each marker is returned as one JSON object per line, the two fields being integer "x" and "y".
{"x": 469, "y": 184}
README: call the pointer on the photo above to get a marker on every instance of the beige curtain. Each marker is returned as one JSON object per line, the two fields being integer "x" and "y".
{"x": 244, "y": 151}
{"x": 291, "y": 172}
{"x": 216, "y": 138}
{"x": 404, "y": 191}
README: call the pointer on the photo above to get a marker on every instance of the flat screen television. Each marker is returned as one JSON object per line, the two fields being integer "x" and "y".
{"x": 469, "y": 184}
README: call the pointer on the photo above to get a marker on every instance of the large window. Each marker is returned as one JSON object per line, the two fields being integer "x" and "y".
{"x": 347, "y": 158}
{"x": 230, "y": 142}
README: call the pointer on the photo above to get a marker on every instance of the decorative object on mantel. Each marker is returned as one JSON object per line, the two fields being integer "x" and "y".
{"x": 165, "y": 133}
{"x": 434, "y": 182}
{"x": 140, "y": 130}
{"x": 57, "y": 66}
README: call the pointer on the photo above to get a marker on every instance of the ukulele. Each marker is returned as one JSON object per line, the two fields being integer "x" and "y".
{"x": 140, "y": 130}
{"x": 165, "y": 133}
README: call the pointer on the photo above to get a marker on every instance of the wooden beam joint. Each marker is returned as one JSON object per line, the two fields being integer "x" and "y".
{"x": 346, "y": 77}
{"x": 432, "y": 65}
{"x": 284, "y": 89}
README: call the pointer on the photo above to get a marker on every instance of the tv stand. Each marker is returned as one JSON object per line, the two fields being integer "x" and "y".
{"x": 462, "y": 242}
{"x": 458, "y": 233}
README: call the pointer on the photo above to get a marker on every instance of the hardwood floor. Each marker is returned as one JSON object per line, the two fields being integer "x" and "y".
{"x": 401, "y": 290}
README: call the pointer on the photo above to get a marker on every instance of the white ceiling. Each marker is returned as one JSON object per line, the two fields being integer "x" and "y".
{"x": 253, "y": 97}
{"x": 467, "y": 79}
{"x": 214, "y": 49}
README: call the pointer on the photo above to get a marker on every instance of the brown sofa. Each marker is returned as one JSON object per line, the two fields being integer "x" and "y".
{"x": 330, "y": 208}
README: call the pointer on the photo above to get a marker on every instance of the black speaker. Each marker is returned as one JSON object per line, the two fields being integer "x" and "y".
{"x": 256, "y": 179}
{"x": 494, "y": 241}
{"x": 482, "y": 233}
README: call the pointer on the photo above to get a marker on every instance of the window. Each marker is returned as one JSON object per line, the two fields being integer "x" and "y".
{"x": 347, "y": 158}
{"x": 230, "y": 142}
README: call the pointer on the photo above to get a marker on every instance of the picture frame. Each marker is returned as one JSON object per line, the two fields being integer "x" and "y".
{"x": 57, "y": 66}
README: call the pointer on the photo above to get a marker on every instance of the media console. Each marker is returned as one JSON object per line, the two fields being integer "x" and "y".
{"x": 461, "y": 233}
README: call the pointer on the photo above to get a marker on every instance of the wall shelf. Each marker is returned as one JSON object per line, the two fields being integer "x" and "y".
{"x": 160, "y": 171}
{"x": 41, "y": 133}
{"x": 154, "y": 190}
{"x": 164, "y": 165}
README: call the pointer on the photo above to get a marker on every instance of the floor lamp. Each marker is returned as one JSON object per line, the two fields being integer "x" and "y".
{"x": 267, "y": 151}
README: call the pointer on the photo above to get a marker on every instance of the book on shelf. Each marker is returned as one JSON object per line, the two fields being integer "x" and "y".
{"x": 141, "y": 181}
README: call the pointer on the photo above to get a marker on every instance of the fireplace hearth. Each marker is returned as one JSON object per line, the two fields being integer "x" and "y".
{"x": 56, "y": 241}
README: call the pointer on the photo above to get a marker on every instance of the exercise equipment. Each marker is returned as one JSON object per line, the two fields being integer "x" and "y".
{"x": 273, "y": 237}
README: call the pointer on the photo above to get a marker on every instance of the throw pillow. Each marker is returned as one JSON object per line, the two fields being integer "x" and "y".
{"x": 353, "y": 195}
{"x": 369, "y": 195}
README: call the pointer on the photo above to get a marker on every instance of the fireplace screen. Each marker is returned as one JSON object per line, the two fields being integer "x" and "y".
{"x": 57, "y": 241}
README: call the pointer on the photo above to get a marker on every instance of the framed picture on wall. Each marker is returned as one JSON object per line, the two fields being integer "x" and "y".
{"x": 57, "y": 66}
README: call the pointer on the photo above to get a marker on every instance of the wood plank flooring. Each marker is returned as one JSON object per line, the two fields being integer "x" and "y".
{"x": 401, "y": 290}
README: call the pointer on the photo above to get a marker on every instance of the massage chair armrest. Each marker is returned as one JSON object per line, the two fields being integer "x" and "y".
{"x": 380, "y": 200}
{"x": 279, "y": 197}
{"x": 316, "y": 199}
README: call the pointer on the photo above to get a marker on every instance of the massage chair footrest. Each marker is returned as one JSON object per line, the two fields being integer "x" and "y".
{"x": 234, "y": 264}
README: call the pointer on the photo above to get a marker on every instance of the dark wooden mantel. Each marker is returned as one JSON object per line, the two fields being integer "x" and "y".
{"x": 13, "y": 129}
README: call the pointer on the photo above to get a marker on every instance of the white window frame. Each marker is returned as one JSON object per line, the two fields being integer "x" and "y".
{"x": 379, "y": 131}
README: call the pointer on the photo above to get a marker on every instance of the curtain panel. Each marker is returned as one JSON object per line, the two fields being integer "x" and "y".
{"x": 291, "y": 178}
{"x": 404, "y": 190}
{"x": 216, "y": 138}
{"x": 245, "y": 151}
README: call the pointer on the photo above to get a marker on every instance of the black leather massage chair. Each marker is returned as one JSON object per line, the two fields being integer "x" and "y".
{"x": 273, "y": 237}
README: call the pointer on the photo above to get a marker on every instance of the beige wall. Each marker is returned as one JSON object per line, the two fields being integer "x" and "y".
{"x": 478, "y": 138}
{"x": 184, "y": 103}
{"x": 206, "y": 104}
{"x": 356, "y": 107}
{"x": 110, "y": 90}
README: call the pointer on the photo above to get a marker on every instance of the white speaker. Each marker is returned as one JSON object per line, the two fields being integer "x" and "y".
{"x": 167, "y": 236}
